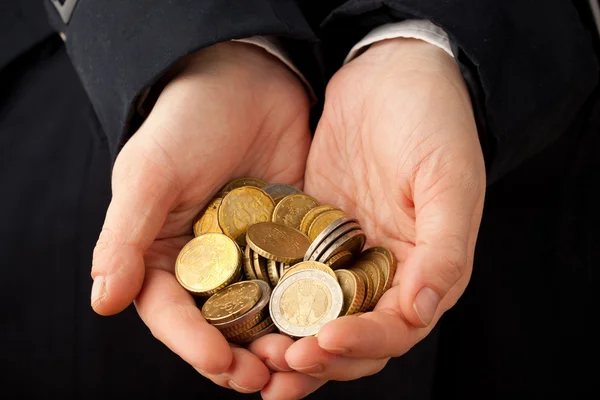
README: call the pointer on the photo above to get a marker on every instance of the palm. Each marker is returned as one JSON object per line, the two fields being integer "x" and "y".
{"x": 233, "y": 111}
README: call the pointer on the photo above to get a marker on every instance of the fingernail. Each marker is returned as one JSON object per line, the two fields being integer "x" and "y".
{"x": 274, "y": 367}
{"x": 426, "y": 303}
{"x": 98, "y": 290}
{"x": 313, "y": 369}
{"x": 241, "y": 389}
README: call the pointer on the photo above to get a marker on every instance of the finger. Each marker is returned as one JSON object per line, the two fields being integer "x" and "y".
{"x": 271, "y": 350}
{"x": 247, "y": 374}
{"x": 290, "y": 386}
{"x": 143, "y": 190}
{"x": 375, "y": 335}
{"x": 445, "y": 231}
{"x": 308, "y": 357}
{"x": 173, "y": 318}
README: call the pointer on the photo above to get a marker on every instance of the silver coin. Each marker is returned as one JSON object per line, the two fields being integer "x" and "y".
{"x": 334, "y": 225}
{"x": 331, "y": 238}
{"x": 278, "y": 191}
{"x": 253, "y": 312}
{"x": 305, "y": 301}
{"x": 352, "y": 241}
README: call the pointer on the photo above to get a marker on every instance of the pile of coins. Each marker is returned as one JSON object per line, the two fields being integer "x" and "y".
{"x": 269, "y": 258}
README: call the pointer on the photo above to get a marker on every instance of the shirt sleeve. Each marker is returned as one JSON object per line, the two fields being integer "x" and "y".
{"x": 410, "y": 28}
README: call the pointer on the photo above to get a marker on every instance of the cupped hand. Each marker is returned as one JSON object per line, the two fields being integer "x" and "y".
{"x": 397, "y": 147}
{"x": 232, "y": 110}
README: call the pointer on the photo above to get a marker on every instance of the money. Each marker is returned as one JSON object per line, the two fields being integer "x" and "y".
{"x": 268, "y": 258}
{"x": 277, "y": 242}
{"x": 208, "y": 220}
{"x": 208, "y": 263}
{"x": 305, "y": 301}
{"x": 291, "y": 209}
{"x": 353, "y": 290}
{"x": 231, "y": 302}
{"x": 241, "y": 208}
{"x": 278, "y": 191}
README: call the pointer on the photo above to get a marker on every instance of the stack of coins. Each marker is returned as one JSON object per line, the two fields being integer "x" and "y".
{"x": 260, "y": 244}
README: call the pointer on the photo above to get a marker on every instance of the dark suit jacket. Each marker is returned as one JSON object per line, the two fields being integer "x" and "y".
{"x": 532, "y": 71}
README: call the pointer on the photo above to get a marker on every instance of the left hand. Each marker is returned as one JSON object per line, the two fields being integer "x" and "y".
{"x": 397, "y": 147}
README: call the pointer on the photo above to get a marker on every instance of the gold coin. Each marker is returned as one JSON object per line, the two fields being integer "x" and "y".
{"x": 241, "y": 208}
{"x": 208, "y": 263}
{"x": 260, "y": 267}
{"x": 241, "y": 182}
{"x": 312, "y": 214}
{"x": 278, "y": 191}
{"x": 273, "y": 271}
{"x": 277, "y": 242}
{"x": 385, "y": 260}
{"x": 377, "y": 278}
{"x": 229, "y": 303}
{"x": 308, "y": 265}
{"x": 291, "y": 209}
{"x": 252, "y": 317}
{"x": 353, "y": 290}
{"x": 322, "y": 221}
{"x": 304, "y": 302}
{"x": 268, "y": 329}
{"x": 209, "y": 220}
{"x": 340, "y": 260}
{"x": 252, "y": 331}
{"x": 249, "y": 264}
{"x": 368, "y": 283}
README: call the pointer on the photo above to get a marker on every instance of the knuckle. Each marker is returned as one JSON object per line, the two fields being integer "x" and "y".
{"x": 453, "y": 265}
{"x": 106, "y": 240}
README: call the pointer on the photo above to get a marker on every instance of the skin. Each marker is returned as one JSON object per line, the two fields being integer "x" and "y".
{"x": 232, "y": 110}
{"x": 397, "y": 147}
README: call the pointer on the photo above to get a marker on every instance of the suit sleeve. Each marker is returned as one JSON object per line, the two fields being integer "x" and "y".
{"x": 121, "y": 48}
{"x": 530, "y": 66}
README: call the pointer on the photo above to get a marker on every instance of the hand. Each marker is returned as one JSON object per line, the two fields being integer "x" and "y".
{"x": 231, "y": 111}
{"x": 397, "y": 147}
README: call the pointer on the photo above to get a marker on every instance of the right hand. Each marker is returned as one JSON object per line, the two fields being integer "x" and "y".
{"x": 232, "y": 111}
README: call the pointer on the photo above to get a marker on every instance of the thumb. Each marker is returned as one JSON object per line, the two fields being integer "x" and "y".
{"x": 438, "y": 268}
{"x": 143, "y": 191}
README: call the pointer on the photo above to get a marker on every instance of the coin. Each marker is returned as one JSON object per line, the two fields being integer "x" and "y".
{"x": 278, "y": 191}
{"x": 388, "y": 266}
{"x": 353, "y": 290}
{"x": 252, "y": 331}
{"x": 322, "y": 221}
{"x": 252, "y": 317}
{"x": 308, "y": 265}
{"x": 209, "y": 220}
{"x": 340, "y": 260}
{"x": 282, "y": 268}
{"x": 332, "y": 237}
{"x": 376, "y": 277}
{"x": 312, "y": 214}
{"x": 249, "y": 264}
{"x": 352, "y": 241}
{"x": 277, "y": 242}
{"x": 260, "y": 267}
{"x": 208, "y": 263}
{"x": 334, "y": 225}
{"x": 241, "y": 208}
{"x": 291, "y": 209}
{"x": 241, "y": 182}
{"x": 269, "y": 329}
{"x": 273, "y": 271}
{"x": 305, "y": 301}
{"x": 231, "y": 302}
{"x": 368, "y": 283}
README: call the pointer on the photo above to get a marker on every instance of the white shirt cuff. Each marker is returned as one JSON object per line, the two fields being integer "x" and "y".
{"x": 273, "y": 46}
{"x": 410, "y": 28}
